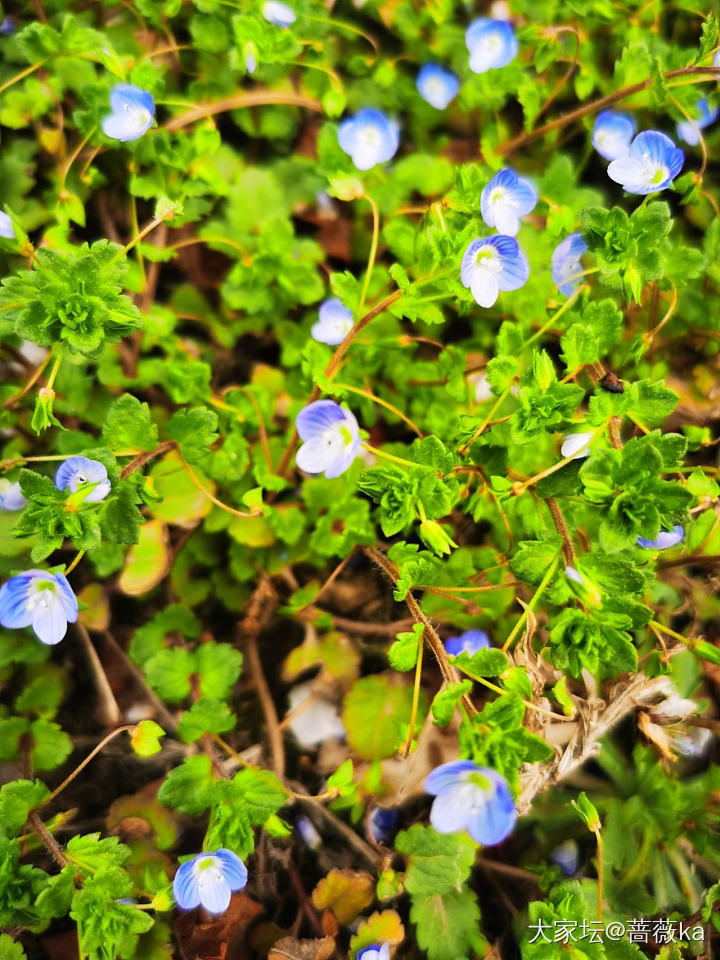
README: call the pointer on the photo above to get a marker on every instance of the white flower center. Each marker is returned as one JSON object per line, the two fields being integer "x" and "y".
{"x": 370, "y": 138}
{"x": 488, "y": 259}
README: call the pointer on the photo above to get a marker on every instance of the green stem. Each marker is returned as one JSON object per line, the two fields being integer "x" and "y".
{"x": 373, "y": 250}
{"x": 533, "y": 602}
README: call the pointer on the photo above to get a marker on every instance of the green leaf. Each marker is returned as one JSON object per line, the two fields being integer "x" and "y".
{"x": 218, "y": 666}
{"x": 188, "y": 787}
{"x": 445, "y": 701}
{"x": 485, "y": 663}
{"x": 205, "y": 716}
{"x": 403, "y": 653}
{"x": 533, "y": 557}
{"x": 92, "y": 852}
{"x": 437, "y": 863}
{"x": 9, "y": 949}
{"x": 448, "y": 925}
{"x": 128, "y": 425}
{"x": 51, "y": 745}
{"x": 195, "y": 430}
{"x": 145, "y": 738}
{"x": 17, "y": 799}
{"x": 376, "y": 713}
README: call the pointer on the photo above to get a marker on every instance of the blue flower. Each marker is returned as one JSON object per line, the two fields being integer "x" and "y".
{"x": 437, "y": 86}
{"x": 369, "y": 137}
{"x": 469, "y": 642}
{"x": 376, "y": 951}
{"x": 491, "y": 265}
{"x": 565, "y": 855}
{"x": 334, "y": 323}
{"x": 664, "y": 540}
{"x": 7, "y": 230}
{"x": 383, "y": 823}
{"x": 308, "y": 832}
{"x": 132, "y": 114}
{"x": 81, "y": 473}
{"x": 505, "y": 199}
{"x": 41, "y": 600}
{"x": 565, "y": 263}
{"x": 689, "y": 130}
{"x": 11, "y": 497}
{"x": 279, "y": 14}
{"x": 612, "y": 134}
{"x": 472, "y": 798}
{"x": 331, "y": 438}
{"x": 652, "y": 162}
{"x": 209, "y": 879}
{"x": 492, "y": 44}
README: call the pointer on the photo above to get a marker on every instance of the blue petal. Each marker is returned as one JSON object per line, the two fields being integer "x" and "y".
{"x": 126, "y": 96}
{"x": 234, "y": 870}
{"x": 447, "y": 774}
{"x": 565, "y": 855}
{"x": 469, "y": 261}
{"x": 11, "y": 497}
{"x": 68, "y": 598}
{"x": 612, "y": 134}
{"x": 214, "y": 890}
{"x": 370, "y": 137}
{"x": 496, "y": 817}
{"x": 48, "y": 618}
{"x": 664, "y": 540}
{"x": 185, "y": 889}
{"x": 469, "y": 642}
{"x": 315, "y": 418}
{"x": 565, "y": 263}
{"x": 437, "y": 86}
{"x": 452, "y": 808}
{"x": 7, "y": 229}
{"x": 279, "y": 14}
{"x": 492, "y": 44}
{"x": 14, "y": 596}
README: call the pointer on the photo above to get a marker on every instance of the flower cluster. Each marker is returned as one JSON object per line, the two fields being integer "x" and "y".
{"x": 370, "y": 137}
{"x": 642, "y": 164}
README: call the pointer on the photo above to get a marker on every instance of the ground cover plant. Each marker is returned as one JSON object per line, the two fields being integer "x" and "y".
{"x": 359, "y": 480}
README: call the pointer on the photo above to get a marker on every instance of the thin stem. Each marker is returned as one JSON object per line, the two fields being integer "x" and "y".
{"x": 528, "y": 703}
{"x": 54, "y": 372}
{"x": 648, "y": 337}
{"x": 49, "y": 841}
{"x": 383, "y": 403}
{"x": 21, "y": 76}
{"x": 533, "y": 603}
{"x": 93, "y": 753}
{"x": 247, "y": 259}
{"x": 566, "y": 306}
{"x": 520, "y": 487}
{"x": 236, "y": 102}
{"x": 211, "y": 496}
{"x": 562, "y": 528}
{"x": 594, "y": 106}
{"x": 108, "y": 710}
{"x": 37, "y": 373}
{"x": 373, "y": 250}
{"x": 76, "y": 561}
{"x": 600, "y": 872}
{"x": 463, "y": 450}
{"x": 415, "y": 700}
{"x": 143, "y": 233}
{"x": 387, "y": 456}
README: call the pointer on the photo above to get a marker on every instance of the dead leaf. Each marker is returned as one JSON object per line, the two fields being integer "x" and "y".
{"x": 148, "y": 561}
{"x": 221, "y": 939}
{"x": 385, "y": 927}
{"x": 291, "y": 949}
{"x": 346, "y": 892}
